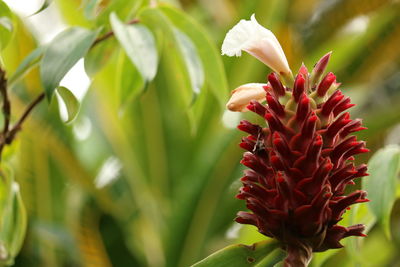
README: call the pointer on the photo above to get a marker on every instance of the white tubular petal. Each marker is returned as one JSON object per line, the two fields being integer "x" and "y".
{"x": 250, "y": 36}
{"x": 269, "y": 53}
{"x": 237, "y": 38}
{"x": 242, "y": 96}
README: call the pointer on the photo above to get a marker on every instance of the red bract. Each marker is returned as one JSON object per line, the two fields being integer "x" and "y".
{"x": 300, "y": 165}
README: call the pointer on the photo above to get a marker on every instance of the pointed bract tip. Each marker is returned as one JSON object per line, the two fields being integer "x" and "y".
{"x": 303, "y": 69}
{"x": 276, "y": 84}
{"x": 319, "y": 68}
{"x": 325, "y": 84}
{"x": 322, "y": 63}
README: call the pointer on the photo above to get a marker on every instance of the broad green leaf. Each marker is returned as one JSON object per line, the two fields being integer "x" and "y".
{"x": 211, "y": 59}
{"x": 98, "y": 56}
{"x": 239, "y": 255}
{"x": 192, "y": 60}
{"x": 173, "y": 64}
{"x": 6, "y": 25}
{"x": 139, "y": 44}
{"x": 382, "y": 182}
{"x": 248, "y": 234}
{"x": 30, "y": 61}
{"x": 61, "y": 55}
{"x": 319, "y": 259}
{"x": 70, "y": 101}
{"x": 129, "y": 81}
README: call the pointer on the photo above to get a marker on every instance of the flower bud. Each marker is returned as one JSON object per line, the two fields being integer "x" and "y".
{"x": 242, "y": 96}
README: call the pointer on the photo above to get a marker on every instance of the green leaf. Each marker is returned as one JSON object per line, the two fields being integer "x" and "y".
{"x": 360, "y": 213}
{"x": 13, "y": 218}
{"x": 90, "y": 9}
{"x": 6, "y": 25}
{"x": 382, "y": 182}
{"x": 210, "y": 56}
{"x": 239, "y": 255}
{"x": 329, "y": 18}
{"x": 45, "y": 5}
{"x": 71, "y": 103}
{"x": 99, "y": 55}
{"x": 5, "y": 191}
{"x": 192, "y": 60}
{"x": 139, "y": 44}
{"x": 61, "y": 55}
{"x": 30, "y": 61}
{"x": 175, "y": 70}
{"x": 398, "y": 191}
{"x": 129, "y": 81}
{"x": 19, "y": 222}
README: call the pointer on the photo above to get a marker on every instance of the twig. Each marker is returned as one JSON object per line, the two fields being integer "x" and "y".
{"x": 6, "y": 101}
{"x": 6, "y": 109}
{"x": 110, "y": 34}
{"x": 18, "y": 126}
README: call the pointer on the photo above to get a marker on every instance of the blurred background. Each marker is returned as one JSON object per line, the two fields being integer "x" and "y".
{"x": 147, "y": 173}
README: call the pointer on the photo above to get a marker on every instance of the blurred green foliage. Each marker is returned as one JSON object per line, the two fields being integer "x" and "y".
{"x": 169, "y": 197}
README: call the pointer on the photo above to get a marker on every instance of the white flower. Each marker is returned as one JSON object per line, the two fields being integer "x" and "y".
{"x": 250, "y": 36}
{"x": 242, "y": 96}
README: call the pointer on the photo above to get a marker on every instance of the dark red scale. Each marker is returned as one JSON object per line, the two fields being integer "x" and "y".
{"x": 301, "y": 163}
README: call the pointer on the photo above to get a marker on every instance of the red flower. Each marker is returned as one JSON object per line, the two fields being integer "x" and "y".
{"x": 300, "y": 165}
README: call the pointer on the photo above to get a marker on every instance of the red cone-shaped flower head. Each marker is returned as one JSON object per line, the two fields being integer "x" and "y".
{"x": 301, "y": 161}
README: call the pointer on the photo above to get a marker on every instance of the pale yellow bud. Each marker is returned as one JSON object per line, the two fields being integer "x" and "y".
{"x": 242, "y": 96}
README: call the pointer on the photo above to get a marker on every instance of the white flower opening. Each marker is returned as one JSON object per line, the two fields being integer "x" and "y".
{"x": 242, "y": 96}
{"x": 250, "y": 36}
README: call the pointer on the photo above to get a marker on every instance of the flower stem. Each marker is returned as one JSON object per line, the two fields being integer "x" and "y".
{"x": 298, "y": 256}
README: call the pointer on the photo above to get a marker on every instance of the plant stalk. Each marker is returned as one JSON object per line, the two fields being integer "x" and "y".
{"x": 298, "y": 256}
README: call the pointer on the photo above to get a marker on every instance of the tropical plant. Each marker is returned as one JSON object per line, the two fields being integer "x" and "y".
{"x": 146, "y": 172}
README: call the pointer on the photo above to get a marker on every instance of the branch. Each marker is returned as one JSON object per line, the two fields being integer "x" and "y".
{"x": 18, "y": 126}
{"x": 6, "y": 101}
{"x": 111, "y": 33}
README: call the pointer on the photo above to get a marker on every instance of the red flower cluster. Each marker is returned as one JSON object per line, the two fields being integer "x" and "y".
{"x": 302, "y": 162}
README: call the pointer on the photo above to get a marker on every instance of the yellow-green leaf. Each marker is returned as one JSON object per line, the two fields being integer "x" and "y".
{"x": 30, "y": 61}
{"x": 71, "y": 103}
{"x": 6, "y": 25}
